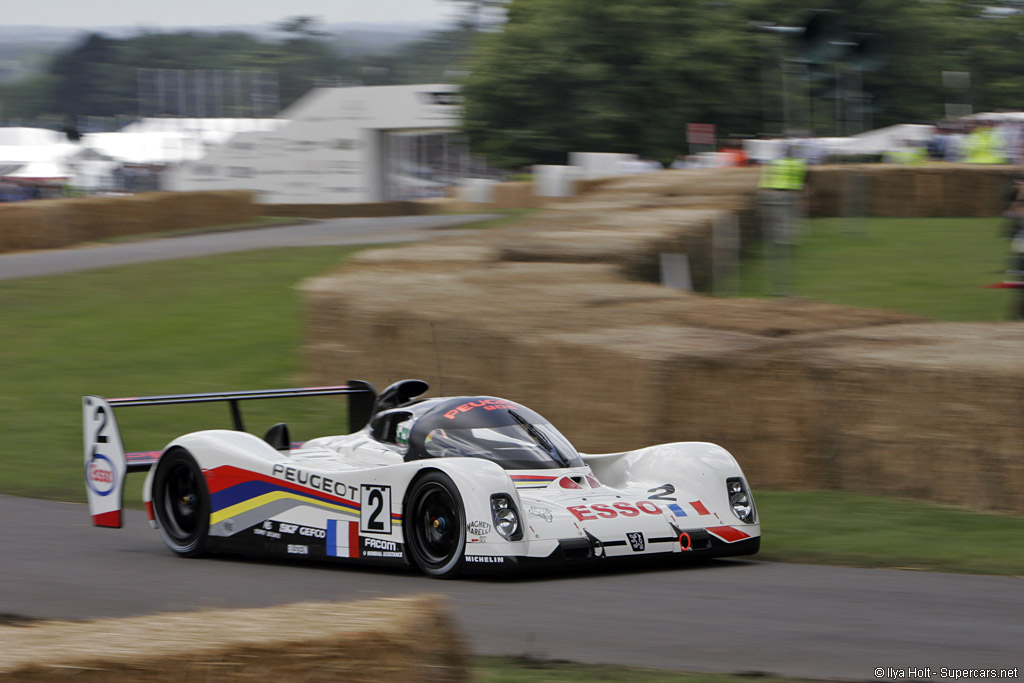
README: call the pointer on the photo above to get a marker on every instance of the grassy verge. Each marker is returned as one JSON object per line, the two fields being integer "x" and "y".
{"x": 523, "y": 670}
{"x": 830, "y": 527}
{"x": 216, "y": 323}
{"x": 934, "y": 267}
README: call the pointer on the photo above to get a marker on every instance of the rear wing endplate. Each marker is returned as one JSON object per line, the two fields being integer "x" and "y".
{"x": 107, "y": 464}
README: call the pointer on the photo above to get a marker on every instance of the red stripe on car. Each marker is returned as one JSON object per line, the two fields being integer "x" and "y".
{"x": 728, "y": 534}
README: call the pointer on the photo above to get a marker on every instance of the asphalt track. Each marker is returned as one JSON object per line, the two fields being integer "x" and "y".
{"x": 328, "y": 232}
{"x": 729, "y": 616}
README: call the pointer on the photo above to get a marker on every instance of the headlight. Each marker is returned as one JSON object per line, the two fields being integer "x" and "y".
{"x": 739, "y": 499}
{"x": 505, "y": 517}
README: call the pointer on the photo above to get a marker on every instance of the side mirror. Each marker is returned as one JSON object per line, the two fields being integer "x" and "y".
{"x": 400, "y": 394}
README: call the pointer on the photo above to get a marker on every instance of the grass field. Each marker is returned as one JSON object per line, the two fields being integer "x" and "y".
{"x": 208, "y": 324}
{"x": 521, "y": 670}
{"x": 236, "y": 322}
{"x": 934, "y": 267}
{"x": 831, "y": 527}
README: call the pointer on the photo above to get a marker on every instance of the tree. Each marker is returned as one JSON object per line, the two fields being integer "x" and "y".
{"x": 301, "y": 26}
{"x": 615, "y": 76}
{"x": 100, "y": 76}
{"x": 627, "y": 75}
{"x": 90, "y": 79}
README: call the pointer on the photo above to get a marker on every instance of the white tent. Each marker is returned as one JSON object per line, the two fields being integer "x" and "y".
{"x": 20, "y": 136}
{"x": 41, "y": 170}
{"x": 160, "y": 142}
{"x": 34, "y": 153}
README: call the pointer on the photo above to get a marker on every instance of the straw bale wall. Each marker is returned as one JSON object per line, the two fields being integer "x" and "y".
{"x": 356, "y": 210}
{"x": 53, "y": 223}
{"x": 942, "y": 190}
{"x": 555, "y": 312}
{"x": 375, "y": 640}
{"x": 953, "y": 190}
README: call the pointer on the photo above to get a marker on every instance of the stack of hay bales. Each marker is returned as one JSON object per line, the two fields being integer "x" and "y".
{"x": 48, "y": 224}
{"x": 353, "y": 210}
{"x": 389, "y": 639}
{"x": 807, "y": 395}
{"x": 946, "y": 190}
{"x": 43, "y": 224}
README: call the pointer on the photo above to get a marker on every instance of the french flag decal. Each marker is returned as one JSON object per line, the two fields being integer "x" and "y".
{"x": 342, "y": 539}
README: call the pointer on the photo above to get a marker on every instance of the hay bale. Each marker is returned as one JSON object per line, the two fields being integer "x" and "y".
{"x": 925, "y": 411}
{"x": 516, "y": 195}
{"x": 93, "y": 218}
{"x": 954, "y": 190}
{"x": 41, "y": 224}
{"x": 618, "y": 388}
{"x": 167, "y": 211}
{"x": 48, "y": 224}
{"x": 374, "y": 640}
{"x": 453, "y": 252}
{"x": 354, "y": 210}
{"x": 807, "y": 395}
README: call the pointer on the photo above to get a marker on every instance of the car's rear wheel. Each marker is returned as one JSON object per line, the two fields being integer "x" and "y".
{"x": 181, "y": 503}
{"x": 435, "y": 526}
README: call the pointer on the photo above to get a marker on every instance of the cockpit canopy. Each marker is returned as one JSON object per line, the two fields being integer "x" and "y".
{"x": 494, "y": 429}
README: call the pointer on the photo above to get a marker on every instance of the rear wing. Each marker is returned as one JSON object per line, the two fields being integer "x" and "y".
{"x": 107, "y": 464}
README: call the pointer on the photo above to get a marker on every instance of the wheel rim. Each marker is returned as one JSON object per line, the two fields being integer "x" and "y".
{"x": 438, "y": 530}
{"x": 181, "y": 501}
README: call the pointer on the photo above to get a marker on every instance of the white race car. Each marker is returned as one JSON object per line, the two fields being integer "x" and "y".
{"x": 448, "y": 485}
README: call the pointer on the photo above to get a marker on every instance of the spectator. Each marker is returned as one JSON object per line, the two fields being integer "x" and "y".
{"x": 983, "y": 145}
{"x": 782, "y": 182}
{"x": 1015, "y": 231}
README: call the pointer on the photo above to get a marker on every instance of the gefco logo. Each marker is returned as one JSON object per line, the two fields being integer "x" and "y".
{"x": 99, "y": 474}
{"x": 486, "y": 404}
{"x": 609, "y": 510}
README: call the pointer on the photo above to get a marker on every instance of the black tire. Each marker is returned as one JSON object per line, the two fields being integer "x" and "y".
{"x": 181, "y": 503}
{"x": 435, "y": 526}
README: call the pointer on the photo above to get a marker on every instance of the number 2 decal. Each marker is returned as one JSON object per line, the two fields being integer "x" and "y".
{"x": 663, "y": 492}
{"x": 375, "y": 510}
{"x": 101, "y": 415}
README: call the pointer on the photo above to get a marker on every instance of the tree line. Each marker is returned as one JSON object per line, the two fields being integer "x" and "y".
{"x": 628, "y": 75}
{"x": 615, "y": 75}
{"x": 102, "y": 76}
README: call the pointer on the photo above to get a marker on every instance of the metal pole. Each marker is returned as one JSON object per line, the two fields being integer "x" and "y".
{"x": 160, "y": 78}
{"x": 181, "y": 92}
{"x": 785, "y": 97}
{"x": 200, "y": 79}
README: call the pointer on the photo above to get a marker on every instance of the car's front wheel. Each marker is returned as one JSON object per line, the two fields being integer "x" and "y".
{"x": 181, "y": 503}
{"x": 436, "y": 525}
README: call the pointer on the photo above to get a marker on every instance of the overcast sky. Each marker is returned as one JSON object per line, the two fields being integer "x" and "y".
{"x": 186, "y": 13}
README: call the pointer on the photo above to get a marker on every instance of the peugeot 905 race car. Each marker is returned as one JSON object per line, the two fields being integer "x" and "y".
{"x": 448, "y": 485}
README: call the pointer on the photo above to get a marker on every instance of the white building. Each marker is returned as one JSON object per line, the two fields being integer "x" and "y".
{"x": 34, "y": 154}
{"x": 341, "y": 145}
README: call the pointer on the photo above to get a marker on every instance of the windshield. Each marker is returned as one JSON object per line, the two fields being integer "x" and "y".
{"x": 519, "y": 446}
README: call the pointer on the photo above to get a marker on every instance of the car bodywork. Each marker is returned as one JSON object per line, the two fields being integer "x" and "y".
{"x": 449, "y": 485}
